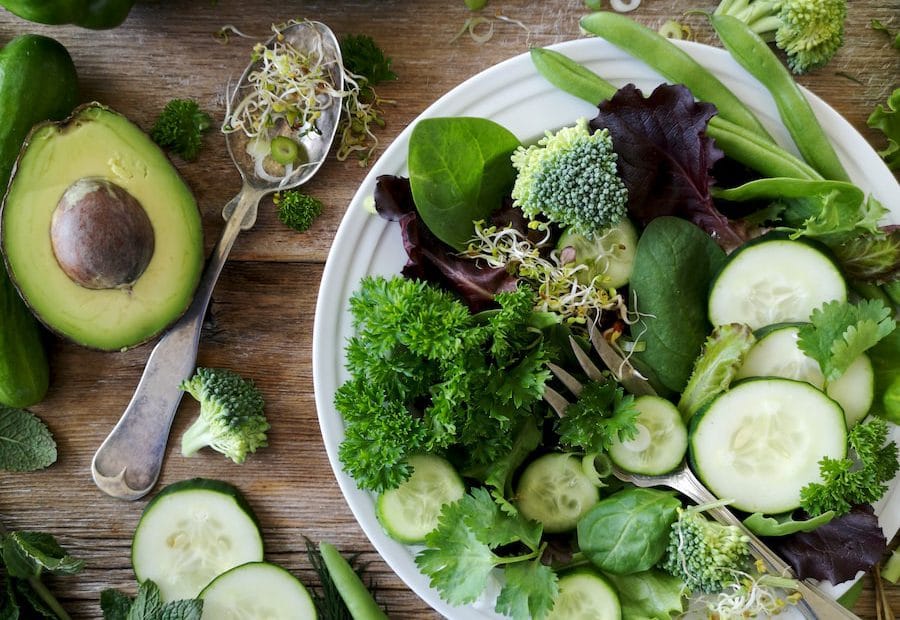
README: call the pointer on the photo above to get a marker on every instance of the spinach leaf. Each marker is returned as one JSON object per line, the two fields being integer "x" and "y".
{"x": 628, "y": 531}
{"x": 674, "y": 265}
{"x": 649, "y": 595}
{"x": 885, "y": 358}
{"x": 459, "y": 172}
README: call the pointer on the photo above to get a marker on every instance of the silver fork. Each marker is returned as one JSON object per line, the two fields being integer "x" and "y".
{"x": 817, "y": 604}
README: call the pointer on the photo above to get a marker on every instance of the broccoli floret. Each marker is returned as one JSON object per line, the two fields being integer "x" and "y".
{"x": 570, "y": 178}
{"x": 180, "y": 126}
{"x": 705, "y": 554}
{"x": 231, "y": 418}
{"x": 809, "y": 31}
{"x": 297, "y": 210}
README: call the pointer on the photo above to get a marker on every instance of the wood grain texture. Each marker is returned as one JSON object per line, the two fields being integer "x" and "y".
{"x": 262, "y": 313}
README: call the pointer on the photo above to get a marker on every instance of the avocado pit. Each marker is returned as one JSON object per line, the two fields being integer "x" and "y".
{"x": 101, "y": 235}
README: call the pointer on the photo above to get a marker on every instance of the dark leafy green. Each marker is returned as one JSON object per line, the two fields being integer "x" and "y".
{"x": 628, "y": 531}
{"x": 673, "y": 268}
{"x": 885, "y": 357}
{"x": 459, "y": 172}
{"x": 649, "y": 595}
{"x": 26, "y": 443}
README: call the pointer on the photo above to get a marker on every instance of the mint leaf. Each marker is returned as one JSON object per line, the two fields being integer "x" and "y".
{"x": 529, "y": 592}
{"x": 839, "y": 332}
{"x": 189, "y": 609}
{"x": 114, "y": 605}
{"x": 148, "y": 604}
{"x": 9, "y": 607}
{"x": 25, "y": 442}
{"x": 28, "y": 554}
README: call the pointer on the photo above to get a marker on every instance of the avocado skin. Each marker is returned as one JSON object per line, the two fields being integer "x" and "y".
{"x": 95, "y": 141}
{"x": 38, "y": 82}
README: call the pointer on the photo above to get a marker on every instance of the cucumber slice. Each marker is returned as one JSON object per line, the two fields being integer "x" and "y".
{"x": 555, "y": 491}
{"x": 191, "y": 532}
{"x": 761, "y": 442}
{"x": 774, "y": 281}
{"x": 609, "y": 254}
{"x": 585, "y": 595}
{"x": 777, "y": 354}
{"x": 256, "y": 591}
{"x": 409, "y": 512}
{"x": 661, "y": 442}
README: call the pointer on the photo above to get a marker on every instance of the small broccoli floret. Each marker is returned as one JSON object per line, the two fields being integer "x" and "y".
{"x": 809, "y": 31}
{"x": 231, "y": 418}
{"x": 180, "y": 126}
{"x": 570, "y": 178}
{"x": 706, "y": 555}
{"x": 297, "y": 210}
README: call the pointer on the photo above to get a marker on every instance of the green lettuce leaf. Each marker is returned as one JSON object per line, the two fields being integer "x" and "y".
{"x": 887, "y": 119}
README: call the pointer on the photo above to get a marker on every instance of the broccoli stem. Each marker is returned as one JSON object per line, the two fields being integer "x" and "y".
{"x": 197, "y": 436}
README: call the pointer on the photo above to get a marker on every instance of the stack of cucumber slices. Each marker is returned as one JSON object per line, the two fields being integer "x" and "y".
{"x": 200, "y": 538}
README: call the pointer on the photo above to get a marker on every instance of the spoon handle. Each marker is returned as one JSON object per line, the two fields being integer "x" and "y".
{"x": 128, "y": 462}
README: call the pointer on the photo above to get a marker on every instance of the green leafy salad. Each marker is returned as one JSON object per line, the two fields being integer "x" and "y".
{"x": 737, "y": 307}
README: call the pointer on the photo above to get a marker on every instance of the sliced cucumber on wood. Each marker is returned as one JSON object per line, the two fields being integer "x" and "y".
{"x": 777, "y": 354}
{"x": 585, "y": 595}
{"x": 761, "y": 442}
{"x": 191, "y": 532}
{"x": 774, "y": 280}
{"x": 660, "y": 443}
{"x": 409, "y": 512}
{"x": 555, "y": 491}
{"x": 257, "y": 591}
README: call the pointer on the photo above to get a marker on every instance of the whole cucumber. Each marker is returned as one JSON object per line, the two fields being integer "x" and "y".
{"x": 38, "y": 82}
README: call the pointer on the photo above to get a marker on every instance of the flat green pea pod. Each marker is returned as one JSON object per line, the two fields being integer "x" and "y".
{"x": 359, "y": 601}
{"x": 94, "y": 14}
{"x": 754, "y": 55}
{"x": 673, "y": 63}
{"x": 37, "y": 82}
{"x": 742, "y": 145}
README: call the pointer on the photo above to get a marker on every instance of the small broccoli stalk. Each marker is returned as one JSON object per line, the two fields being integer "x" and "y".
{"x": 231, "y": 419}
{"x": 722, "y": 355}
{"x": 180, "y": 127}
{"x": 810, "y": 32}
{"x": 297, "y": 210}
{"x": 570, "y": 178}
{"x": 705, "y": 554}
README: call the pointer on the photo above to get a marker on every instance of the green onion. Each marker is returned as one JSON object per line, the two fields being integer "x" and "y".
{"x": 284, "y": 150}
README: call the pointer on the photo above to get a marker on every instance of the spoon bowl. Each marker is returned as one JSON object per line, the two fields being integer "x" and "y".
{"x": 128, "y": 462}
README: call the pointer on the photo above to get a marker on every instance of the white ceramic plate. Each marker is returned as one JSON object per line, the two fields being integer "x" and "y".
{"x": 513, "y": 94}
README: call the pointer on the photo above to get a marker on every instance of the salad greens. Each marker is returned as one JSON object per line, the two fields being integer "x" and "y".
{"x": 147, "y": 605}
{"x": 454, "y": 356}
{"x": 26, "y": 443}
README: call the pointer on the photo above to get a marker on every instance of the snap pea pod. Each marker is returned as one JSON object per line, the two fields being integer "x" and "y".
{"x": 674, "y": 64}
{"x": 754, "y": 55}
{"x": 742, "y": 145}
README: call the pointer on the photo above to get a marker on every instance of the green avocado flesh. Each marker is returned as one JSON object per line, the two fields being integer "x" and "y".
{"x": 115, "y": 312}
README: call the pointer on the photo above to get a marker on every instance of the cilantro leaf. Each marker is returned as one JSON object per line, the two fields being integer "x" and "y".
{"x": 460, "y": 552}
{"x": 602, "y": 414}
{"x": 28, "y": 554}
{"x": 849, "y": 482}
{"x": 25, "y": 441}
{"x": 530, "y": 590}
{"x": 839, "y": 332}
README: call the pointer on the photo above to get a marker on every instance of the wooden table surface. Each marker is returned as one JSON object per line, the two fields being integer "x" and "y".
{"x": 261, "y": 315}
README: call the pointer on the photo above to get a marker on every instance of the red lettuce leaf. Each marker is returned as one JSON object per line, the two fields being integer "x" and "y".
{"x": 432, "y": 260}
{"x": 665, "y": 157}
{"x": 835, "y": 551}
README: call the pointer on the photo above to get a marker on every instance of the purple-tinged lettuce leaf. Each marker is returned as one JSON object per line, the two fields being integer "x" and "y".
{"x": 872, "y": 258}
{"x": 665, "y": 157}
{"x": 432, "y": 260}
{"x": 836, "y": 551}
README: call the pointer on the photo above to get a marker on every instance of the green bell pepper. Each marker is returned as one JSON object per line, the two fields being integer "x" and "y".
{"x": 95, "y": 14}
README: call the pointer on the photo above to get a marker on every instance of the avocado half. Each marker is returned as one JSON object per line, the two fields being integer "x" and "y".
{"x": 100, "y": 234}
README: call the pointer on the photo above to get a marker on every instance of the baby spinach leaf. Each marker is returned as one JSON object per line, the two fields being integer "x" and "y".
{"x": 628, "y": 531}
{"x": 459, "y": 171}
{"x": 25, "y": 442}
{"x": 885, "y": 358}
{"x": 674, "y": 264}
{"x": 649, "y": 595}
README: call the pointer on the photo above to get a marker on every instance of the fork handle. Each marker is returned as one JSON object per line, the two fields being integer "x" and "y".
{"x": 820, "y": 604}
